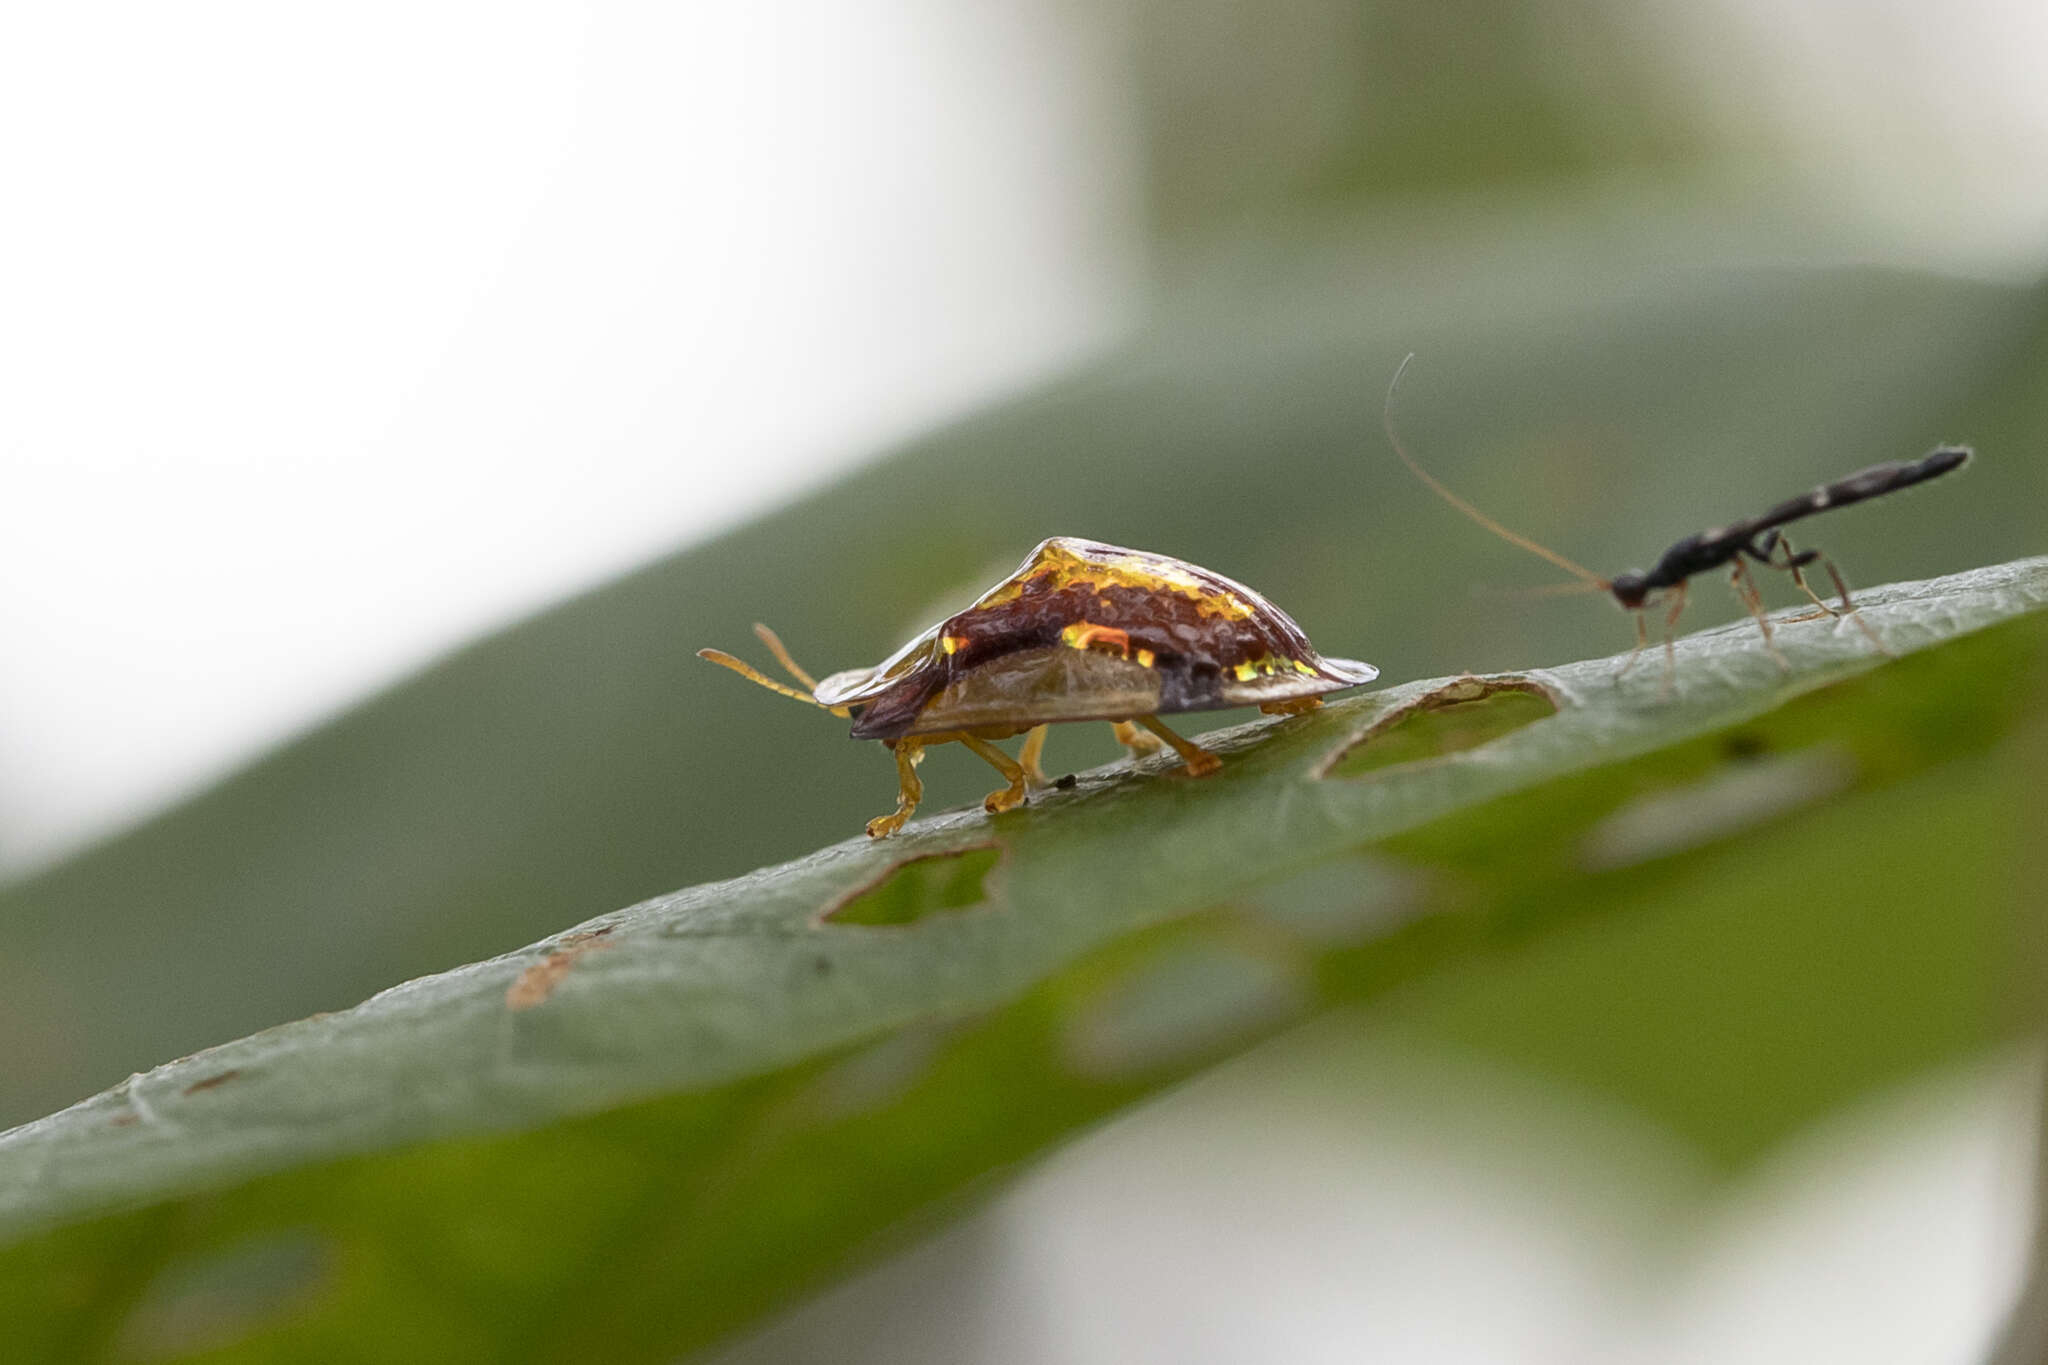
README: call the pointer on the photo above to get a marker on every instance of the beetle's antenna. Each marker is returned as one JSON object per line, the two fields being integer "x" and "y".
{"x": 1592, "y": 581}
{"x": 755, "y": 675}
{"x": 781, "y": 653}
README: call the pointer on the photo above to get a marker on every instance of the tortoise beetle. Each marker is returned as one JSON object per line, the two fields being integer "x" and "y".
{"x": 1081, "y": 631}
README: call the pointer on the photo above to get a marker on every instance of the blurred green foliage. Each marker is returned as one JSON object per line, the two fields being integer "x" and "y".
{"x": 1256, "y": 115}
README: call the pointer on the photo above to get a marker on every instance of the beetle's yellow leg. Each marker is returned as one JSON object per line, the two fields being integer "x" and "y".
{"x": 1137, "y": 741}
{"x": 1011, "y": 796}
{"x": 1199, "y": 760}
{"x": 909, "y": 791}
{"x": 1027, "y": 757}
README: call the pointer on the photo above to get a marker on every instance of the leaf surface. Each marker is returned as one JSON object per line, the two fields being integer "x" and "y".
{"x": 726, "y": 1089}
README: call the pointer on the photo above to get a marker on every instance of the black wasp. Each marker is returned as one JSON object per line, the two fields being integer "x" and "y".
{"x": 1758, "y": 539}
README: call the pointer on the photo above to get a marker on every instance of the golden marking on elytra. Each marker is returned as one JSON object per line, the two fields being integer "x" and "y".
{"x": 1266, "y": 665}
{"x": 1060, "y": 568}
{"x": 1087, "y": 635}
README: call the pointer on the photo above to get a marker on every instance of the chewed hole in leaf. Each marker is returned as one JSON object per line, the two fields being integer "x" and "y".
{"x": 926, "y": 885}
{"x": 1464, "y": 715}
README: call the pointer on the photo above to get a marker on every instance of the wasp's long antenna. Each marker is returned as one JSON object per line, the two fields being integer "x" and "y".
{"x": 755, "y": 675}
{"x": 1542, "y": 590}
{"x": 1585, "y": 575}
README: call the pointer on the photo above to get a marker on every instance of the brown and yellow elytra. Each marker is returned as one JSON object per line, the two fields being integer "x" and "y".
{"x": 1082, "y": 631}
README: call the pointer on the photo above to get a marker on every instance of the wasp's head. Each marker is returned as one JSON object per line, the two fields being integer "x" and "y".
{"x": 1630, "y": 589}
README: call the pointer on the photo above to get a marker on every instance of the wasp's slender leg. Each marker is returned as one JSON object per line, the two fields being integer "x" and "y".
{"x": 1836, "y": 575}
{"x": 1764, "y": 550}
{"x": 1848, "y": 607}
{"x": 1199, "y": 760}
{"x": 1794, "y": 563}
{"x": 1138, "y": 742}
{"x": 1011, "y": 796}
{"x": 909, "y": 791}
{"x": 1642, "y": 641}
{"x": 1670, "y": 647}
{"x": 1028, "y": 757}
{"x": 1745, "y": 588}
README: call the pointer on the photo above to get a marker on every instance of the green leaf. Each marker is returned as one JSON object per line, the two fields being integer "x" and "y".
{"x": 625, "y": 1140}
{"x": 586, "y": 758}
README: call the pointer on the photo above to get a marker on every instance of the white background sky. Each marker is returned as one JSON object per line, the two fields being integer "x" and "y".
{"x": 330, "y": 337}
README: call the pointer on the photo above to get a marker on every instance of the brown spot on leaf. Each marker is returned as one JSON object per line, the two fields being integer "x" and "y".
{"x": 222, "y": 1078}
{"x": 538, "y": 982}
{"x": 127, "y": 1118}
